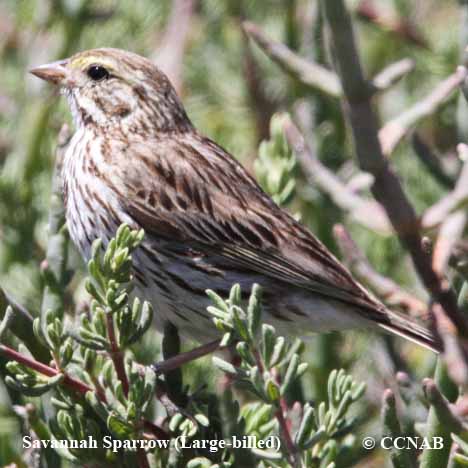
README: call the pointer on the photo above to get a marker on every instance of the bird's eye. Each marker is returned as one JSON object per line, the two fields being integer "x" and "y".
{"x": 97, "y": 73}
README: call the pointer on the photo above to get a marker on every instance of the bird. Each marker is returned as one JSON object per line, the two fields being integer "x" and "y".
{"x": 136, "y": 158}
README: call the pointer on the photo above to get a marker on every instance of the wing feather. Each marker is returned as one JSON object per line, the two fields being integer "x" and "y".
{"x": 200, "y": 196}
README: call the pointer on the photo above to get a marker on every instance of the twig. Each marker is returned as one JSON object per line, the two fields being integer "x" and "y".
{"x": 400, "y": 27}
{"x": 385, "y": 288}
{"x": 44, "y": 369}
{"x": 432, "y": 163}
{"x": 393, "y": 131}
{"x": 459, "y": 258}
{"x": 173, "y": 378}
{"x": 454, "y": 354}
{"x": 317, "y": 76}
{"x": 22, "y": 326}
{"x": 177, "y": 361}
{"x": 386, "y": 188}
{"x": 279, "y": 415}
{"x": 455, "y": 200}
{"x": 170, "y": 53}
{"x": 450, "y": 232}
{"x": 283, "y": 424}
{"x": 116, "y": 354}
{"x": 71, "y": 382}
{"x": 366, "y": 212}
{"x": 309, "y": 73}
{"x": 392, "y": 73}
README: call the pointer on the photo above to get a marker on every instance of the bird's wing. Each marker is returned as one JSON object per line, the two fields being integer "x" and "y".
{"x": 189, "y": 190}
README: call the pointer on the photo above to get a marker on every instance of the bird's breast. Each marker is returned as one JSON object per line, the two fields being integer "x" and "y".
{"x": 92, "y": 205}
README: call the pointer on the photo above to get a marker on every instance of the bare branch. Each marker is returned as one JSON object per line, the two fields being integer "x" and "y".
{"x": 393, "y": 131}
{"x": 449, "y": 233}
{"x": 459, "y": 258}
{"x": 432, "y": 163}
{"x": 392, "y": 74}
{"x": 399, "y": 27}
{"x": 454, "y": 354}
{"x": 455, "y": 200}
{"x": 385, "y": 288}
{"x": 386, "y": 188}
{"x": 309, "y": 73}
{"x": 317, "y": 76}
{"x": 366, "y": 212}
{"x": 452, "y": 227}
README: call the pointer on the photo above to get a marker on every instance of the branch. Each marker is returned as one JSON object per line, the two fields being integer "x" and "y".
{"x": 366, "y": 212}
{"x": 392, "y": 74}
{"x": 170, "y": 53}
{"x": 21, "y": 325}
{"x": 175, "y": 362}
{"x": 452, "y": 227}
{"x": 317, "y": 76}
{"x": 454, "y": 354}
{"x": 307, "y": 72}
{"x": 400, "y": 27}
{"x": 393, "y": 131}
{"x": 455, "y": 200}
{"x": 386, "y": 188}
{"x": 459, "y": 258}
{"x": 171, "y": 348}
{"x": 280, "y": 417}
{"x": 116, "y": 354}
{"x": 432, "y": 163}
{"x": 384, "y": 287}
{"x": 70, "y": 382}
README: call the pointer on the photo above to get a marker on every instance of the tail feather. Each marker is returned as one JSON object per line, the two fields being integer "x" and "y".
{"x": 408, "y": 328}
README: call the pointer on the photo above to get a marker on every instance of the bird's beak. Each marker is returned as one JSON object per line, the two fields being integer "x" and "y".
{"x": 55, "y": 72}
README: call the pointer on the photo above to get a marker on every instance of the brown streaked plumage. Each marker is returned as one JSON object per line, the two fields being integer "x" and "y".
{"x": 136, "y": 158}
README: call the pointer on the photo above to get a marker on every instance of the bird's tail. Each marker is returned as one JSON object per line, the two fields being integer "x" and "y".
{"x": 408, "y": 328}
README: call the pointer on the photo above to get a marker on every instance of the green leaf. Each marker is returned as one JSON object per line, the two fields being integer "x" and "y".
{"x": 235, "y": 295}
{"x": 272, "y": 390}
{"x": 278, "y": 352}
{"x": 268, "y": 342}
{"x": 225, "y": 366}
{"x": 306, "y": 427}
{"x": 291, "y": 373}
{"x": 120, "y": 428}
{"x": 218, "y": 301}
{"x": 254, "y": 310}
{"x": 36, "y": 389}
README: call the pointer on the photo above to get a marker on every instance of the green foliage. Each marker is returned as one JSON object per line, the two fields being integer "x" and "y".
{"x": 269, "y": 366}
{"x": 117, "y": 392}
{"x": 275, "y": 166}
{"x": 231, "y": 100}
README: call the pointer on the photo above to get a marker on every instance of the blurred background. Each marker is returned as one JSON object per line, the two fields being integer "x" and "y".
{"x": 231, "y": 88}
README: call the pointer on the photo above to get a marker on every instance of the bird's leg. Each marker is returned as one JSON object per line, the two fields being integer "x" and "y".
{"x": 183, "y": 358}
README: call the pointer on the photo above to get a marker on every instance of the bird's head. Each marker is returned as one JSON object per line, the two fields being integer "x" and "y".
{"x": 108, "y": 87}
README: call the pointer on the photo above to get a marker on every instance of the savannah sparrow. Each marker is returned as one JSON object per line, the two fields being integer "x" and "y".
{"x": 136, "y": 158}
